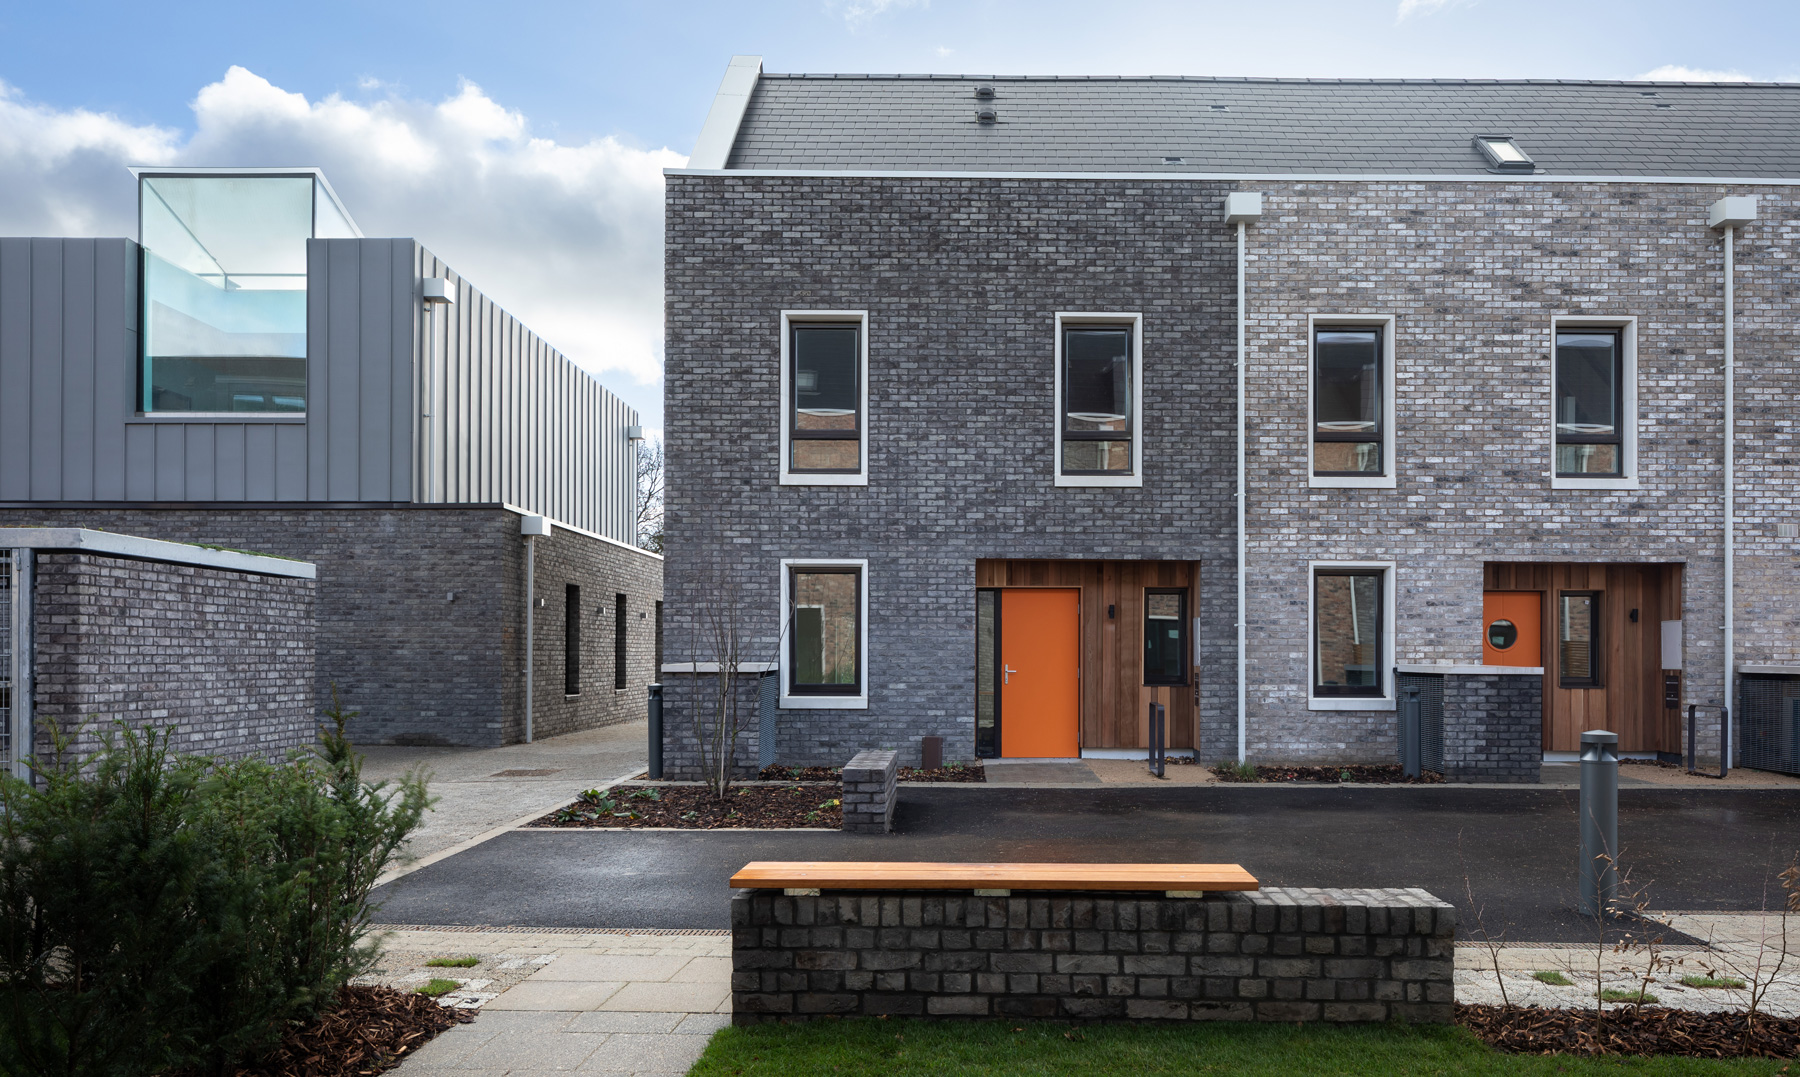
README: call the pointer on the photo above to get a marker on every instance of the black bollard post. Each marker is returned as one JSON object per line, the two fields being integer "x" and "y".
{"x": 1410, "y": 720}
{"x": 1599, "y": 822}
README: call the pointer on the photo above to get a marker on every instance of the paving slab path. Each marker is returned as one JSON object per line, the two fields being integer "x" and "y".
{"x": 1696, "y": 851}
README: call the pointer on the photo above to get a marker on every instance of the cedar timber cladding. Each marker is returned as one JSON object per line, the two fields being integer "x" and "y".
{"x": 1115, "y": 711}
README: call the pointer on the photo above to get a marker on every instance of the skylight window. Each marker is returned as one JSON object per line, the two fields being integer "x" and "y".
{"x": 1503, "y": 154}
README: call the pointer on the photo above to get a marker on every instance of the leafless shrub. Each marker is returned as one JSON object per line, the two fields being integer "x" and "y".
{"x": 723, "y": 644}
{"x": 1492, "y": 942}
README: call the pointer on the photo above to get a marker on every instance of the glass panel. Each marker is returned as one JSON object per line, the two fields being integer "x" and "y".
{"x": 1097, "y": 456}
{"x": 1502, "y": 634}
{"x": 1505, "y": 151}
{"x": 1575, "y": 638}
{"x": 825, "y": 642}
{"x": 987, "y": 654}
{"x": 1347, "y": 398}
{"x": 1586, "y": 398}
{"x": 1587, "y": 459}
{"x": 1165, "y": 650}
{"x": 329, "y": 222}
{"x": 1346, "y": 629}
{"x": 837, "y": 454}
{"x": 1097, "y": 380}
{"x": 825, "y": 386}
{"x": 1347, "y": 456}
{"x": 225, "y": 292}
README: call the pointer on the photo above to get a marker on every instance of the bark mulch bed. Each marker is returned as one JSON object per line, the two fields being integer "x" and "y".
{"x": 1654, "y": 1030}
{"x": 372, "y": 1029}
{"x": 692, "y": 807}
{"x": 949, "y": 772}
{"x": 1389, "y": 774}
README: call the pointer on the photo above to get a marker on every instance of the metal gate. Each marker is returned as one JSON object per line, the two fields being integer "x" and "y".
{"x": 1769, "y": 722}
{"x": 15, "y": 661}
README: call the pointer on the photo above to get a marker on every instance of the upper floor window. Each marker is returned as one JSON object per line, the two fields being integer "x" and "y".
{"x": 1351, "y": 401}
{"x": 224, "y": 288}
{"x": 1099, "y": 367}
{"x": 1590, "y": 428}
{"x": 1593, "y": 403}
{"x": 824, "y": 398}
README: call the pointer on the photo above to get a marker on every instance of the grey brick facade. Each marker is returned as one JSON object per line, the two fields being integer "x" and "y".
{"x": 962, "y": 277}
{"x": 225, "y": 657}
{"x": 421, "y": 610}
{"x": 1280, "y": 954}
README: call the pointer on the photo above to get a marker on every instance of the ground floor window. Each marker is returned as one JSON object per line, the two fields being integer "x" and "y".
{"x": 826, "y": 633}
{"x": 1348, "y": 622}
{"x": 618, "y": 641}
{"x": 1578, "y": 638}
{"x": 571, "y": 639}
{"x": 987, "y": 672}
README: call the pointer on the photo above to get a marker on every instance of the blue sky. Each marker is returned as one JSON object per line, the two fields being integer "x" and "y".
{"x": 523, "y": 141}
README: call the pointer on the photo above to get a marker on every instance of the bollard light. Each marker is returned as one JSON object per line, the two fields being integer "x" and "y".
{"x": 656, "y": 732}
{"x": 1599, "y": 822}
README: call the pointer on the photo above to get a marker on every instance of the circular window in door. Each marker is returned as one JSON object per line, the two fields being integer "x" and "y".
{"x": 1502, "y": 634}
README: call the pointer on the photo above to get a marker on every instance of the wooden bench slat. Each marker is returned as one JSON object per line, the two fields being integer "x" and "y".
{"x": 926, "y": 875}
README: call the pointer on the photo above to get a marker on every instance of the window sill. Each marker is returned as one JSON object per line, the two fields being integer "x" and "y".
{"x": 233, "y": 417}
{"x": 824, "y": 703}
{"x": 1570, "y": 483}
{"x": 1350, "y": 703}
{"x": 1353, "y": 482}
{"x": 1116, "y": 481}
{"x": 803, "y": 479}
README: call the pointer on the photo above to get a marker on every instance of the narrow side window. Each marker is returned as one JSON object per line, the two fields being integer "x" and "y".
{"x": 1578, "y": 639}
{"x": 1165, "y": 636}
{"x": 619, "y": 624}
{"x": 571, "y": 640}
{"x": 1589, "y": 403}
{"x": 1347, "y": 402}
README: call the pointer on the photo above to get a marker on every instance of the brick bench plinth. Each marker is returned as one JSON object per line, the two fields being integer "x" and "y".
{"x": 1281, "y": 954}
{"x": 869, "y": 783}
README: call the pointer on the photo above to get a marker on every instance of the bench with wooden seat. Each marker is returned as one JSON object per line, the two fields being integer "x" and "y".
{"x": 990, "y": 880}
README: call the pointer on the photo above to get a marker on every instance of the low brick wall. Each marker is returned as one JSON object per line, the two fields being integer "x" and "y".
{"x": 1281, "y": 954}
{"x": 870, "y": 782}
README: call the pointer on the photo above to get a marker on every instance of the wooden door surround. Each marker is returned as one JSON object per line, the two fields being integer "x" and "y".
{"x": 1629, "y": 699}
{"x": 1114, "y": 699}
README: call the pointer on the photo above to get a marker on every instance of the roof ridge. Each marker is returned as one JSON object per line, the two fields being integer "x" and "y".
{"x": 1276, "y": 80}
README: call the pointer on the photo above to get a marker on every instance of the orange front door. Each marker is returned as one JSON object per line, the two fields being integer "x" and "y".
{"x": 1040, "y": 659}
{"x": 1512, "y": 625}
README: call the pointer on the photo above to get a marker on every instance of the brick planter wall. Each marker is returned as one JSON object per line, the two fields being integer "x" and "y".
{"x": 1283, "y": 954}
{"x": 1493, "y": 727}
{"x": 870, "y": 782}
{"x": 224, "y": 656}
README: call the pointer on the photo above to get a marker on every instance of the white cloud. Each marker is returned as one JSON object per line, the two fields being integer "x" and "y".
{"x": 858, "y": 13}
{"x": 1678, "y": 73}
{"x": 944, "y": 51}
{"x": 568, "y": 237}
{"x": 1409, "y": 8}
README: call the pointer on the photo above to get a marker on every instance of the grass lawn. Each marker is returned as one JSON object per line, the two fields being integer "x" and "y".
{"x": 899, "y": 1048}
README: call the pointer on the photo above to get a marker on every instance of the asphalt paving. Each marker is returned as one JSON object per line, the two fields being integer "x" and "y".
{"x": 1514, "y": 851}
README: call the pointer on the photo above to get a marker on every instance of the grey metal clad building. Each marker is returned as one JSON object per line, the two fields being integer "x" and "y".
{"x": 252, "y": 372}
{"x": 966, "y": 376}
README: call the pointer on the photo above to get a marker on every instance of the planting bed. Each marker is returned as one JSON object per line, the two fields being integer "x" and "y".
{"x": 1653, "y": 1030}
{"x": 1388, "y": 774}
{"x": 372, "y": 1029}
{"x": 693, "y": 807}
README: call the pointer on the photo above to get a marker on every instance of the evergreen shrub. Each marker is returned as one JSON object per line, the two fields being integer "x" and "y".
{"x": 164, "y": 913}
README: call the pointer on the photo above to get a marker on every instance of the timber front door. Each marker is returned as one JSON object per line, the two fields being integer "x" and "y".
{"x": 1040, "y": 672}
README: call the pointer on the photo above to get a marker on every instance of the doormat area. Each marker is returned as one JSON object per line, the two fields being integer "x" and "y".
{"x": 1363, "y": 773}
{"x": 949, "y": 772}
{"x": 693, "y": 807}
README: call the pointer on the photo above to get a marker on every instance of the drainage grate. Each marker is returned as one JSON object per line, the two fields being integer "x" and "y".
{"x": 1769, "y": 722}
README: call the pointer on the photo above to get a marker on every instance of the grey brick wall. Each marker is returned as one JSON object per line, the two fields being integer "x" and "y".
{"x": 1280, "y": 954}
{"x": 962, "y": 278}
{"x": 871, "y": 780}
{"x": 962, "y": 282}
{"x": 421, "y": 610}
{"x": 225, "y": 657}
{"x": 1493, "y": 727}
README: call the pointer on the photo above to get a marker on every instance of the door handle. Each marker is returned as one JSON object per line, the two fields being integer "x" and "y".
{"x": 1006, "y": 673}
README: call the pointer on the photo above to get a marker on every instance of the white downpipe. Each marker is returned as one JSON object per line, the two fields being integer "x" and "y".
{"x": 430, "y": 393}
{"x": 530, "y": 624}
{"x": 1730, "y": 509}
{"x": 1243, "y": 665}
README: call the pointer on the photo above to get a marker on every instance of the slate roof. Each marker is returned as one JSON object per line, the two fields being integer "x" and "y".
{"x": 1054, "y": 124}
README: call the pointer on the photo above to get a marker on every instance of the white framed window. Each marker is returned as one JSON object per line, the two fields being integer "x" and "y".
{"x": 1098, "y": 413}
{"x": 824, "y": 398}
{"x": 1350, "y": 390}
{"x": 825, "y": 637}
{"x": 1350, "y": 619}
{"x": 1593, "y": 403}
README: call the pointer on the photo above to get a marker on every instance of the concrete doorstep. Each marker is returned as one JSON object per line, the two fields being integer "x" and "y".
{"x": 596, "y": 1003}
